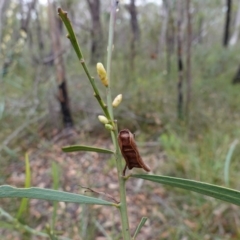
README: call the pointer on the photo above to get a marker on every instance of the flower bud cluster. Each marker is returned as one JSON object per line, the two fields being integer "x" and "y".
{"x": 102, "y": 74}
{"x": 103, "y": 119}
{"x": 117, "y": 100}
{"x": 106, "y": 122}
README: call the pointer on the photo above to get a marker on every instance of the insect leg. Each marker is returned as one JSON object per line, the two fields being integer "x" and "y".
{"x": 124, "y": 170}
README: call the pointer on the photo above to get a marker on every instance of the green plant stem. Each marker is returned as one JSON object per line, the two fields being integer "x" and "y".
{"x": 24, "y": 202}
{"x": 71, "y": 35}
{"x": 25, "y": 228}
{"x": 18, "y": 225}
{"x": 122, "y": 190}
{"x": 109, "y": 55}
{"x": 123, "y": 202}
{"x": 109, "y": 61}
{"x": 114, "y": 133}
{"x": 107, "y": 109}
{"x": 55, "y": 177}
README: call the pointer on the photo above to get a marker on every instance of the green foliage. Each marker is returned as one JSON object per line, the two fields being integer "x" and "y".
{"x": 225, "y": 194}
{"x": 24, "y": 201}
{"x": 86, "y": 149}
{"x": 140, "y": 225}
{"x": 199, "y": 150}
{"x": 49, "y": 194}
{"x": 55, "y": 177}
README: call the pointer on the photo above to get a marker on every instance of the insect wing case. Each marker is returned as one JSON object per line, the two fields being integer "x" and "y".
{"x": 129, "y": 150}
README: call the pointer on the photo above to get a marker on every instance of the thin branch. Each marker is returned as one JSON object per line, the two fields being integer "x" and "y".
{"x": 25, "y": 228}
{"x": 71, "y": 35}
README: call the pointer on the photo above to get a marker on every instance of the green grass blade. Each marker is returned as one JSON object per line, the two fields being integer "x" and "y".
{"x": 77, "y": 148}
{"x": 142, "y": 222}
{"x": 24, "y": 201}
{"x": 228, "y": 161}
{"x": 225, "y": 194}
{"x": 50, "y": 233}
{"x": 55, "y": 177}
{"x": 2, "y": 108}
{"x": 7, "y": 191}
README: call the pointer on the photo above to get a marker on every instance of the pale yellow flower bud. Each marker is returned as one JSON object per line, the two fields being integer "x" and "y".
{"x": 117, "y": 100}
{"x": 103, "y": 119}
{"x": 102, "y": 74}
{"x": 109, "y": 127}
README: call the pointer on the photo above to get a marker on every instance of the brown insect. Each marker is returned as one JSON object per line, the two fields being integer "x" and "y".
{"x": 130, "y": 152}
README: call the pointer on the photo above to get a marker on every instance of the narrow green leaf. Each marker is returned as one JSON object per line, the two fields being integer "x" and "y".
{"x": 2, "y": 108}
{"x": 7, "y": 191}
{"x": 228, "y": 161}
{"x": 55, "y": 177}
{"x": 225, "y": 194}
{"x": 27, "y": 172}
{"x": 76, "y": 148}
{"x": 142, "y": 222}
{"x": 24, "y": 201}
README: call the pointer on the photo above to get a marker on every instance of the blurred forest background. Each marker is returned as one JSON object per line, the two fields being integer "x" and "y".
{"x": 177, "y": 64}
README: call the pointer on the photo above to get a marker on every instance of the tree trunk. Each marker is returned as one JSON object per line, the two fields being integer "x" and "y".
{"x": 163, "y": 33}
{"x": 59, "y": 65}
{"x": 188, "y": 62}
{"x": 134, "y": 20}
{"x": 168, "y": 48}
{"x": 39, "y": 33}
{"x": 25, "y": 21}
{"x": 167, "y": 36}
{"x": 180, "y": 61}
{"x": 200, "y": 30}
{"x": 233, "y": 41}
{"x": 24, "y": 27}
{"x": 135, "y": 31}
{"x": 227, "y": 23}
{"x": 2, "y": 4}
{"x": 97, "y": 53}
{"x": 235, "y": 35}
{"x": 170, "y": 35}
{"x": 236, "y": 79}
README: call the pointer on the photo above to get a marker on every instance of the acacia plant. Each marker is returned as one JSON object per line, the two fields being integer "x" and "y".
{"x": 124, "y": 148}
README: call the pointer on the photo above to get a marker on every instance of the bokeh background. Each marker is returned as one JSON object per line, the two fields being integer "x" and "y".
{"x": 177, "y": 65}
